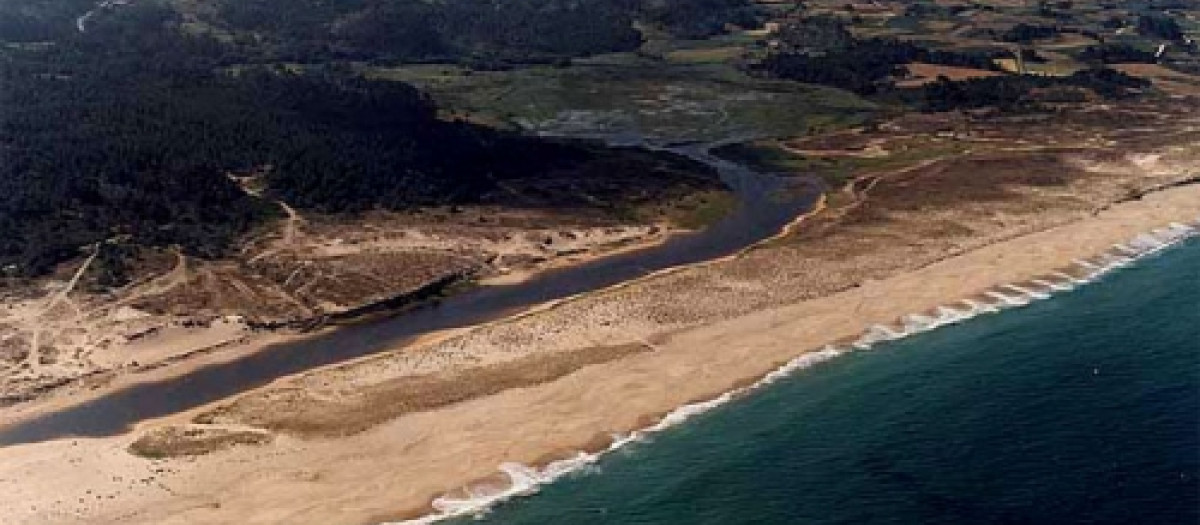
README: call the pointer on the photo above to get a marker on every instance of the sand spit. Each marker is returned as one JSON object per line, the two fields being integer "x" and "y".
{"x": 395, "y": 469}
{"x": 63, "y": 341}
{"x": 145, "y": 348}
{"x": 524, "y": 480}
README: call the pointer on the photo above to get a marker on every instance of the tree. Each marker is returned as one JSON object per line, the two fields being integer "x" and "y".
{"x": 1162, "y": 26}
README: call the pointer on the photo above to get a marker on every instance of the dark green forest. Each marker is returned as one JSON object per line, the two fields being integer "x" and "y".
{"x": 821, "y": 51}
{"x": 416, "y": 30}
{"x": 131, "y": 123}
{"x": 482, "y": 33}
{"x": 132, "y": 129}
{"x": 1015, "y": 92}
{"x": 40, "y": 20}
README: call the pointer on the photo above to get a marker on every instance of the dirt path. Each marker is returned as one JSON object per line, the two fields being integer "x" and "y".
{"x": 82, "y": 20}
{"x": 290, "y": 226}
{"x": 38, "y": 323}
{"x": 175, "y": 277}
{"x": 62, "y": 294}
{"x": 399, "y": 465}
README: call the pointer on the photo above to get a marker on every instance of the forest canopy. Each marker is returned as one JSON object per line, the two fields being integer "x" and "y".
{"x": 136, "y": 128}
{"x": 820, "y": 50}
{"x": 474, "y": 32}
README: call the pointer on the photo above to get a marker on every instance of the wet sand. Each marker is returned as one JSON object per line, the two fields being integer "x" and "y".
{"x": 394, "y": 469}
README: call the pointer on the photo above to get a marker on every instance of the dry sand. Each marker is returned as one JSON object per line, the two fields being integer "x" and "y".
{"x": 61, "y": 339}
{"x": 116, "y": 346}
{"x": 394, "y": 469}
{"x": 921, "y": 74}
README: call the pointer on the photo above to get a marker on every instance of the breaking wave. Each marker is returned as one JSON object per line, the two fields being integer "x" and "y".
{"x": 525, "y": 480}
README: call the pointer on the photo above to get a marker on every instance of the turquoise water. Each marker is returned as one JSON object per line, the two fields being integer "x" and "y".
{"x": 1081, "y": 409}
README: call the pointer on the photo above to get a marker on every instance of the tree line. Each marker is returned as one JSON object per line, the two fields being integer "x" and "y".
{"x": 133, "y": 129}
{"x": 475, "y": 32}
{"x": 1016, "y": 92}
{"x": 819, "y": 50}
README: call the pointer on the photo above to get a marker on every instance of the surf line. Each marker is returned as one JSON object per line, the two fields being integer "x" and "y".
{"x": 525, "y": 480}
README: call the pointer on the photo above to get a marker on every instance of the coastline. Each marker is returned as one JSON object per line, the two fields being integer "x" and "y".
{"x": 394, "y": 471}
{"x": 523, "y": 479}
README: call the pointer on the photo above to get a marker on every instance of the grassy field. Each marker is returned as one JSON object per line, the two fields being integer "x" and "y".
{"x": 836, "y": 168}
{"x": 694, "y": 94}
{"x": 699, "y": 210}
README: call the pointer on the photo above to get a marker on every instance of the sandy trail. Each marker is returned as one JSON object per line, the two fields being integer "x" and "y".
{"x": 177, "y": 276}
{"x": 41, "y": 323}
{"x": 291, "y": 225}
{"x": 395, "y": 469}
{"x": 539, "y": 385}
{"x": 70, "y": 286}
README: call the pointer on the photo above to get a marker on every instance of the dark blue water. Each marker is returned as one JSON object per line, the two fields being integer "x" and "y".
{"x": 1084, "y": 409}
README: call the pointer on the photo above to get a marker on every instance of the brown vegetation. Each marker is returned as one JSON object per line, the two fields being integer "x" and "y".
{"x": 317, "y": 412}
{"x": 888, "y": 220}
{"x": 179, "y": 441}
{"x": 921, "y": 74}
{"x": 307, "y": 271}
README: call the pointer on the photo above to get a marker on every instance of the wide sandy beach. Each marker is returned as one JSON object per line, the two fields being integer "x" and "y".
{"x": 394, "y": 468}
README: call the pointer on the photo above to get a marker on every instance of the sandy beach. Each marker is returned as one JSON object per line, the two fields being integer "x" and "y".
{"x": 405, "y": 263}
{"x": 171, "y": 349}
{"x": 392, "y": 467}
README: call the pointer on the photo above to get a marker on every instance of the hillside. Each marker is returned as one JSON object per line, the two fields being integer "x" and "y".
{"x": 183, "y": 177}
{"x": 135, "y": 129}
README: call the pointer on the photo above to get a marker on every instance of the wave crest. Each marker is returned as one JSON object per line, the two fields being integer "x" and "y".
{"x": 525, "y": 480}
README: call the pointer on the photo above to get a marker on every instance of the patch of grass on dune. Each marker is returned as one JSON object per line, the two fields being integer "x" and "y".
{"x": 701, "y": 210}
{"x": 834, "y": 170}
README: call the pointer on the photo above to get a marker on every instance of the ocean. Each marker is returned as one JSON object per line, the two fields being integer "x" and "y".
{"x": 1080, "y": 409}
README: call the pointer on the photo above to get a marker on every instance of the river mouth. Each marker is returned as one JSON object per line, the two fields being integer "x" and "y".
{"x": 766, "y": 203}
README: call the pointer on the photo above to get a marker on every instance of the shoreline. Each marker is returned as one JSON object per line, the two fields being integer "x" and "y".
{"x": 514, "y": 480}
{"x": 395, "y": 470}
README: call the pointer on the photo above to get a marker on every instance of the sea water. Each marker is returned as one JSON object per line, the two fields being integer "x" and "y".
{"x": 1083, "y": 408}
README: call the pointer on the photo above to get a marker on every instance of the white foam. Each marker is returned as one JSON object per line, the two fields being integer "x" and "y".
{"x": 915, "y": 323}
{"x": 951, "y": 316}
{"x": 1055, "y": 287}
{"x": 1146, "y": 242}
{"x": 1112, "y": 261}
{"x": 876, "y": 334}
{"x": 525, "y": 480}
{"x": 978, "y": 308}
{"x": 1125, "y": 249}
{"x": 1006, "y": 300}
{"x": 1033, "y": 295}
{"x": 1070, "y": 278}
